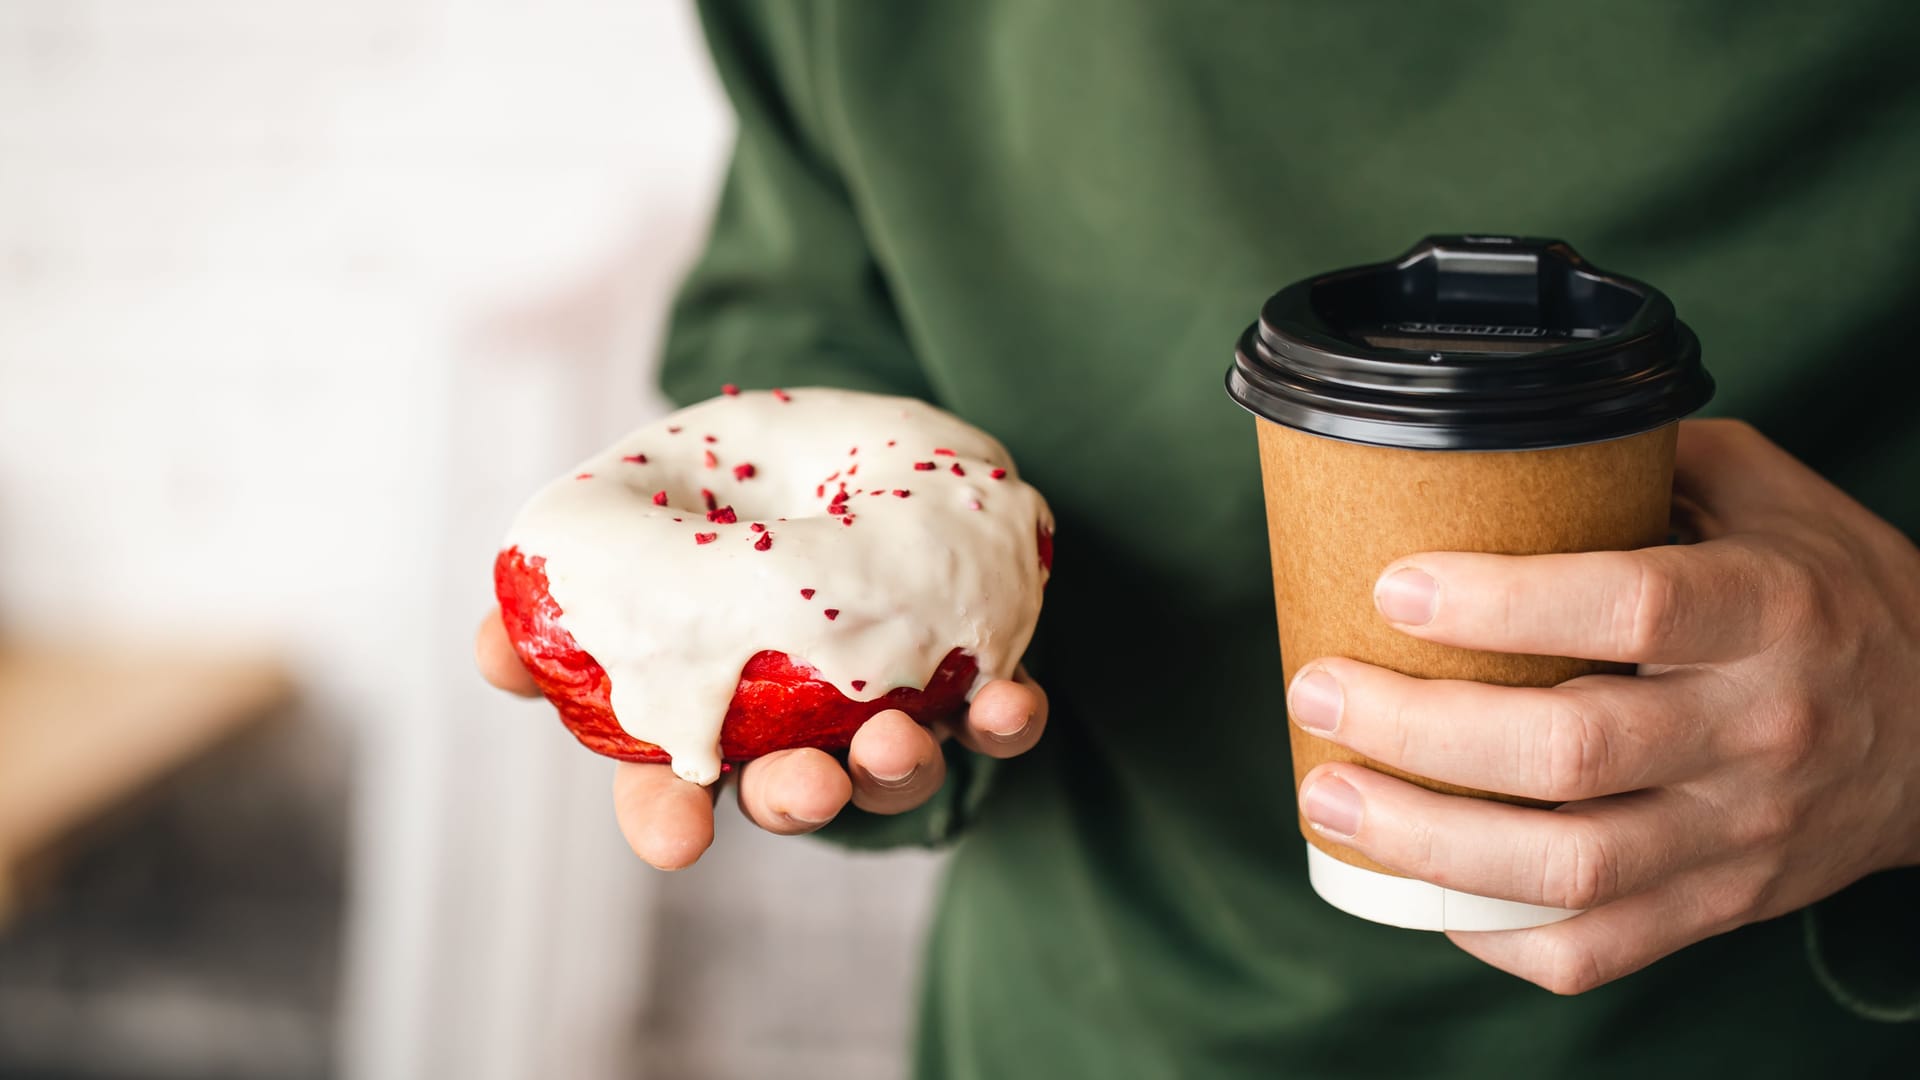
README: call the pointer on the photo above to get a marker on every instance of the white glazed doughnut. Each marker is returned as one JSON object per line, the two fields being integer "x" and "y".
{"x": 866, "y": 536}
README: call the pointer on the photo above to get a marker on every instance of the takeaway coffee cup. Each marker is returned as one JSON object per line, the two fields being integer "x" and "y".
{"x": 1478, "y": 393}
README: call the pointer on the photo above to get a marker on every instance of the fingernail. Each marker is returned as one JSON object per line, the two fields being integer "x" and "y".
{"x": 1009, "y": 736}
{"x": 898, "y": 781}
{"x": 805, "y": 820}
{"x": 1407, "y": 596}
{"x": 1314, "y": 701}
{"x": 1332, "y": 805}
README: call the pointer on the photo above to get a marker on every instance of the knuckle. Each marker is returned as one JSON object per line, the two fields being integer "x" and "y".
{"x": 1422, "y": 852}
{"x": 1748, "y": 898}
{"x": 1402, "y": 721}
{"x": 1765, "y": 824}
{"x": 1645, "y": 615}
{"x": 1800, "y": 598}
{"x": 1570, "y": 967}
{"x": 1578, "y": 751}
{"x": 1790, "y": 732}
{"x": 1797, "y": 733}
{"x": 1579, "y": 869}
{"x": 1796, "y": 577}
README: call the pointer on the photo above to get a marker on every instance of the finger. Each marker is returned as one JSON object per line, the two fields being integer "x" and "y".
{"x": 895, "y": 763}
{"x": 790, "y": 792}
{"x": 497, "y": 661}
{"x": 1666, "y": 605}
{"x": 667, "y": 821}
{"x": 1593, "y": 736}
{"x": 1007, "y": 717}
{"x": 1580, "y": 856}
{"x": 1607, "y": 943}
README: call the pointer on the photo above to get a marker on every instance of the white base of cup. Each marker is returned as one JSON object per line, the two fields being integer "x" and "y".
{"x": 1417, "y": 905}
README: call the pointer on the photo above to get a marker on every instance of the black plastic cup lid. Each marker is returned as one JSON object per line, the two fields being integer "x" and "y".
{"x": 1470, "y": 343}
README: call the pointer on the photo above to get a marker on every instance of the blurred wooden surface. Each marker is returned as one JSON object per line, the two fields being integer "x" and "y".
{"x": 86, "y": 728}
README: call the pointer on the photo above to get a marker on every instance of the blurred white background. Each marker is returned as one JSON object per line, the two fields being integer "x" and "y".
{"x": 297, "y": 302}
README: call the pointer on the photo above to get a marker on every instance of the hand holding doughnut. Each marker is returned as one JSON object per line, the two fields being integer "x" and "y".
{"x": 763, "y": 580}
{"x": 669, "y": 821}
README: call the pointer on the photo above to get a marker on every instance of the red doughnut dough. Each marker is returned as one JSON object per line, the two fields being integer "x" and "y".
{"x": 779, "y": 704}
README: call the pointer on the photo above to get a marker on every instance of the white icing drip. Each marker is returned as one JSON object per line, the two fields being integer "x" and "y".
{"x": 673, "y": 621}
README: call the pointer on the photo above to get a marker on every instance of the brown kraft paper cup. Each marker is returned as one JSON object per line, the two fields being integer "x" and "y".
{"x": 1339, "y": 513}
{"x": 1478, "y": 393}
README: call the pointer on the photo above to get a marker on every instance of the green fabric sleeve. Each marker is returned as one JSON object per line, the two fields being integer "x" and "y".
{"x": 1864, "y": 942}
{"x": 787, "y": 293}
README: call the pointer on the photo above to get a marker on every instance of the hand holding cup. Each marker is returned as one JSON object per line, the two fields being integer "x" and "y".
{"x": 1764, "y": 757}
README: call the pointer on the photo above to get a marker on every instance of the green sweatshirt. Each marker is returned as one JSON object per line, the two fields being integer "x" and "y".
{"x": 1054, "y": 218}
